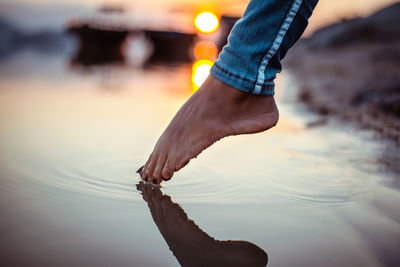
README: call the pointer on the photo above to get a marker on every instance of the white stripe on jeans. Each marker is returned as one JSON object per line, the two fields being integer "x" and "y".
{"x": 275, "y": 45}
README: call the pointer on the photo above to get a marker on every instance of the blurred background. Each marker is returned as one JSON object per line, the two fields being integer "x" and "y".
{"x": 87, "y": 87}
{"x": 137, "y": 34}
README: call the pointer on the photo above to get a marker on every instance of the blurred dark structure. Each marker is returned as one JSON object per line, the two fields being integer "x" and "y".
{"x": 226, "y": 25}
{"x": 170, "y": 47}
{"x": 101, "y": 37}
{"x": 99, "y": 46}
{"x": 102, "y": 40}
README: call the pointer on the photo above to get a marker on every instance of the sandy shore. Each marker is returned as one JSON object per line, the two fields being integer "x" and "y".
{"x": 351, "y": 70}
{"x": 354, "y": 83}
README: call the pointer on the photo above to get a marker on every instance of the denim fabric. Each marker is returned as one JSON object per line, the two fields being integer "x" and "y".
{"x": 258, "y": 42}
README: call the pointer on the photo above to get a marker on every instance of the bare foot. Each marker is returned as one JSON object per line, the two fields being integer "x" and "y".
{"x": 215, "y": 111}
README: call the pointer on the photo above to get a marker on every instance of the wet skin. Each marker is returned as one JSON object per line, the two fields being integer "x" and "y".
{"x": 189, "y": 244}
{"x": 215, "y": 111}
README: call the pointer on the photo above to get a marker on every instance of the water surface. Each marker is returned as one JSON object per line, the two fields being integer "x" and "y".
{"x": 71, "y": 141}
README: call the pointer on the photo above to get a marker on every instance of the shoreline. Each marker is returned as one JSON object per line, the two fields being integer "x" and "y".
{"x": 328, "y": 90}
{"x": 351, "y": 71}
{"x": 347, "y": 84}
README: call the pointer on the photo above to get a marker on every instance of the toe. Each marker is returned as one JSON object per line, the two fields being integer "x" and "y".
{"x": 157, "y": 174}
{"x": 144, "y": 168}
{"x": 150, "y": 168}
{"x": 167, "y": 171}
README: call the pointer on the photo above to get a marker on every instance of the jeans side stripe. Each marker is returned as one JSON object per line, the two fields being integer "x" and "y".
{"x": 275, "y": 45}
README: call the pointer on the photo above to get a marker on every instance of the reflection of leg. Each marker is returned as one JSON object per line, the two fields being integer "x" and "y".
{"x": 190, "y": 245}
{"x": 249, "y": 62}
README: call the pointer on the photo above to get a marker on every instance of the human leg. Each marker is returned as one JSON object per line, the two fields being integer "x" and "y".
{"x": 249, "y": 62}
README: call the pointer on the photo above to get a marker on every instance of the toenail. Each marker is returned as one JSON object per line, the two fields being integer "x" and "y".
{"x": 139, "y": 170}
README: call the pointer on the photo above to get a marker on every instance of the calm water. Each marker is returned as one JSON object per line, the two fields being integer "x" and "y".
{"x": 71, "y": 141}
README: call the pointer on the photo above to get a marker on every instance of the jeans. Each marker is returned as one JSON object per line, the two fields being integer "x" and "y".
{"x": 258, "y": 42}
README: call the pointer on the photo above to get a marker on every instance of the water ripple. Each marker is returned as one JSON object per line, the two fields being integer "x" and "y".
{"x": 104, "y": 176}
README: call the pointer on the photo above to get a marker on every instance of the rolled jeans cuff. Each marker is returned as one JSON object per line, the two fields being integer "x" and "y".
{"x": 241, "y": 83}
{"x": 258, "y": 42}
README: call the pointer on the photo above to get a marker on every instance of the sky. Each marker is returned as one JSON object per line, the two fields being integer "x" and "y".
{"x": 327, "y": 11}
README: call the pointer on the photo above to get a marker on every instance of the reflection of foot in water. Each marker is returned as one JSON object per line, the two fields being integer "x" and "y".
{"x": 215, "y": 111}
{"x": 190, "y": 245}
